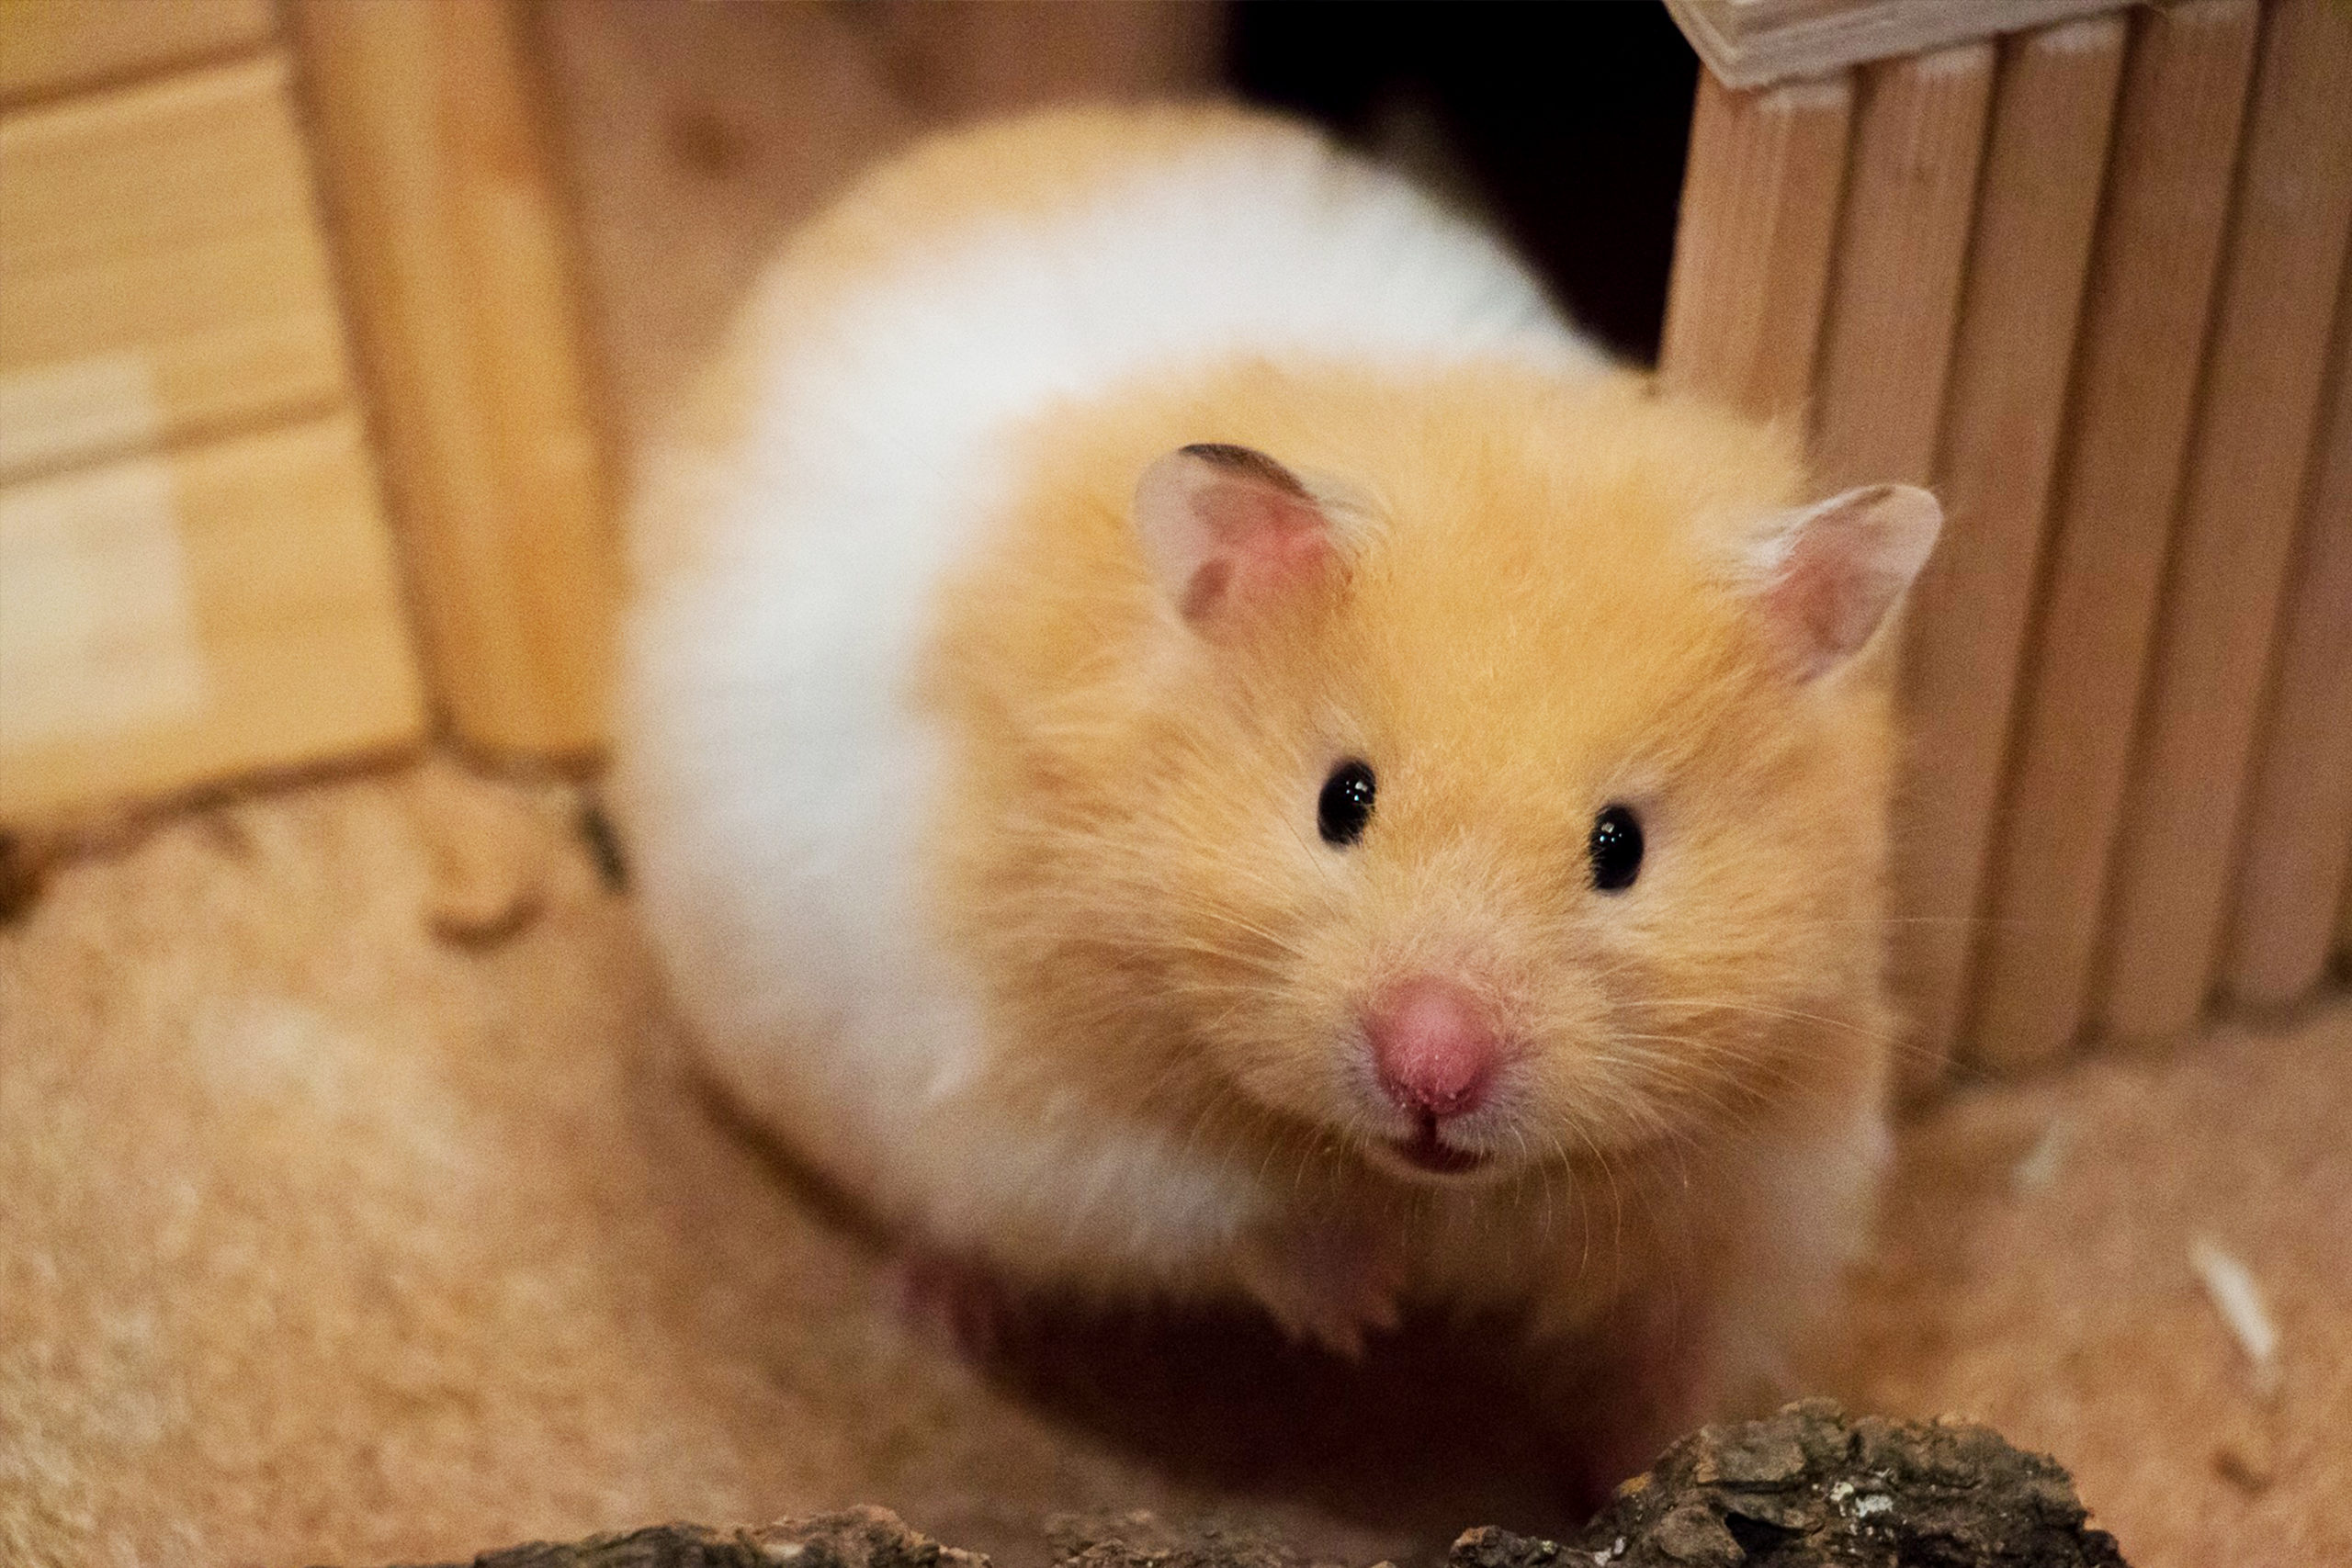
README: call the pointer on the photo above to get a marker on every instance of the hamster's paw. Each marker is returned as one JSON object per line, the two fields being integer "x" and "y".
{"x": 953, "y": 1300}
{"x": 1326, "y": 1282}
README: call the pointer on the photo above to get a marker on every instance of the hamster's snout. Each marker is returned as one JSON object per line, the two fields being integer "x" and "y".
{"x": 1436, "y": 1054}
{"x": 1433, "y": 1049}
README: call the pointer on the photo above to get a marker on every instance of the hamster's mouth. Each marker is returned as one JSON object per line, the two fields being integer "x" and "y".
{"x": 1426, "y": 1150}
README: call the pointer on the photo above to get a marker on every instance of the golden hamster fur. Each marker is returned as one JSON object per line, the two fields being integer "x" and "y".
{"x": 1184, "y": 736}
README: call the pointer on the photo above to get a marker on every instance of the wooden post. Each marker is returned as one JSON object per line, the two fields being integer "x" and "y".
{"x": 1894, "y": 289}
{"x": 456, "y": 250}
{"x": 1760, "y": 197}
{"x": 1967, "y": 617}
{"x": 2293, "y": 854}
{"x": 2236, "y": 534}
{"x": 2144, "y": 334}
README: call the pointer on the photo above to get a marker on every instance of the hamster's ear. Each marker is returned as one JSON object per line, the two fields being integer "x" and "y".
{"x": 1225, "y": 527}
{"x": 1825, "y": 575}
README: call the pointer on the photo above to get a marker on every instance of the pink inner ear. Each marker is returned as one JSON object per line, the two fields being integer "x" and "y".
{"x": 1848, "y": 559}
{"x": 1261, "y": 542}
{"x": 1225, "y": 528}
{"x": 1822, "y": 604}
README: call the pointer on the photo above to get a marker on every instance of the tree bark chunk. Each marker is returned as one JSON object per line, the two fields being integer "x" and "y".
{"x": 1814, "y": 1488}
{"x": 1811, "y": 1487}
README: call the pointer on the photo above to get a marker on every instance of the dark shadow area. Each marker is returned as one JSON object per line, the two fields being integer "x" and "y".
{"x": 1567, "y": 123}
{"x": 1436, "y": 1429}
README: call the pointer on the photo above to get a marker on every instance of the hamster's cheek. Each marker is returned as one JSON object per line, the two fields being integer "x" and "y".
{"x": 1288, "y": 1044}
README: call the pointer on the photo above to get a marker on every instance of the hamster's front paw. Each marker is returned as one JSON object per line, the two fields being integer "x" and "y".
{"x": 1329, "y": 1281}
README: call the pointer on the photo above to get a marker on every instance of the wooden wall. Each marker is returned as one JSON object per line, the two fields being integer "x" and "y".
{"x": 196, "y": 578}
{"x": 2089, "y": 282}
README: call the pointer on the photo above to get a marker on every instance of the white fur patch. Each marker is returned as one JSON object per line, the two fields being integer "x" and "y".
{"x": 775, "y": 777}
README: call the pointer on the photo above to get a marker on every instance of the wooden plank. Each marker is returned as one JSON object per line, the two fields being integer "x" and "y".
{"x": 2295, "y": 855}
{"x": 1760, "y": 197}
{"x": 1967, "y": 616}
{"x": 1894, "y": 289}
{"x": 169, "y": 620}
{"x": 56, "y": 46}
{"x": 2146, "y": 306}
{"x": 2236, "y": 538}
{"x": 161, "y": 270}
{"x": 463, "y": 291}
{"x": 1751, "y": 42}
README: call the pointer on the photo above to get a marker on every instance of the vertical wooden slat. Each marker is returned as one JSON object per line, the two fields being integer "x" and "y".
{"x": 2298, "y": 839}
{"x": 1966, "y": 622}
{"x": 1895, "y": 280}
{"x": 1751, "y": 256}
{"x": 2236, "y": 534}
{"x": 456, "y": 249}
{"x": 2146, "y": 306}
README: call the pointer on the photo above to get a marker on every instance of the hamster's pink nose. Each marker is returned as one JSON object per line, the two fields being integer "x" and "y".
{"x": 1432, "y": 1047}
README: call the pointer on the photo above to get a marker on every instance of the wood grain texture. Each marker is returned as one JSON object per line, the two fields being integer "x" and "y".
{"x": 1967, "y": 616}
{"x": 2295, "y": 854}
{"x": 456, "y": 249}
{"x": 162, "y": 273}
{"x": 275, "y": 562}
{"x": 2235, "y": 536}
{"x": 1760, "y": 198}
{"x": 1895, "y": 281}
{"x": 2147, "y": 303}
{"x": 55, "y": 46}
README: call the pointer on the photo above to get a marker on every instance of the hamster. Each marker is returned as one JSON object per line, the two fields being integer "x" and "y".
{"x": 1184, "y": 736}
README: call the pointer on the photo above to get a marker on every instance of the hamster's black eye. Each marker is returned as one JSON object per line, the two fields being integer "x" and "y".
{"x": 1345, "y": 804}
{"x": 1615, "y": 849}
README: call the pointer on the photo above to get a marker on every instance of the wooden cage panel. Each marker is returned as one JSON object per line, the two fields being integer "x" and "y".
{"x": 1968, "y": 615}
{"x": 162, "y": 271}
{"x": 2235, "y": 535}
{"x": 2135, "y": 381}
{"x": 2295, "y": 855}
{"x": 2097, "y": 313}
{"x": 177, "y": 617}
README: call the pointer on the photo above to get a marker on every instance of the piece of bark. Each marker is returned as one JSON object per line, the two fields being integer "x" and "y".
{"x": 1146, "y": 1540}
{"x": 1811, "y": 1487}
{"x": 856, "y": 1538}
